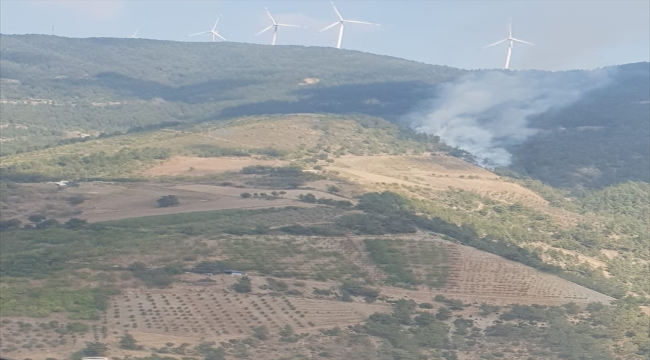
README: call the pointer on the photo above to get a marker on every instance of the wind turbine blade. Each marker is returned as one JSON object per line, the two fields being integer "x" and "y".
{"x": 521, "y": 41}
{"x": 201, "y": 33}
{"x": 331, "y": 26}
{"x": 496, "y": 43}
{"x": 265, "y": 30}
{"x": 337, "y": 12}
{"x": 221, "y": 37}
{"x": 288, "y": 25}
{"x": 510, "y": 28}
{"x": 216, "y": 22}
{"x": 269, "y": 14}
{"x": 135, "y": 33}
{"x": 359, "y": 22}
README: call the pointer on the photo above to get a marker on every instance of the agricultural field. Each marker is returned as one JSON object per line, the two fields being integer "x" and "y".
{"x": 290, "y": 215}
{"x": 215, "y": 313}
{"x": 48, "y": 337}
{"x": 106, "y": 201}
{"x": 431, "y": 264}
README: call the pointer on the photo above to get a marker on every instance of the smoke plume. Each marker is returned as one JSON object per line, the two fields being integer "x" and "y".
{"x": 484, "y": 113}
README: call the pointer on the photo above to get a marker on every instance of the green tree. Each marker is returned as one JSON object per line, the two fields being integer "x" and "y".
{"x": 333, "y": 189}
{"x": 443, "y": 314}
{"x": 47, "y": 224}
{"x": 75, "y": 223}
{"x": 168, "y": 200}
{"x": 36, "y": 218}
{"x": 10, "y": 224}
{"x": 95, "y": 349}
{"x": 243, "y": 285}
{"x": 128, "y": 342}
{"x": 261, "y": 333}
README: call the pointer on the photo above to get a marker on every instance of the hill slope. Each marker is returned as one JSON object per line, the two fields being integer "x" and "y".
{"x": 59, "y": 88}
{"x": 55, "y": 85}
{"x": 600, "y": 140}
{"x": 354, "y": 234}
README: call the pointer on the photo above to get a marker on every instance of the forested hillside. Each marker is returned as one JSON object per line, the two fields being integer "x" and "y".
{"x": 598, "y": 141}
{"x": 55, "y": 89}
{"x": 55, "y": 85}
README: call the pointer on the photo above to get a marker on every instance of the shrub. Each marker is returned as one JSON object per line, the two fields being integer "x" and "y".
{"x": 243, "y": 285}
{"x": 36, "y": 218}
{"x": 333, "y": 189}
{"x": 75, "y": 223}
{"x": 128, "y": 342}
{"x": 168, "y": 200}
{"x": 75, "y": 200}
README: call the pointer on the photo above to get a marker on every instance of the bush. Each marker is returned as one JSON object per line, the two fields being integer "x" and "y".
{"x": 168, "y": 200}
{"x": 36, "y": 218}
{"x": 245, "y": 195}
{"x": 128, "y": 342}
{"x": 355, "y": 289}
{"x": 11, "y": 224}
{"x": 261, "y": 333}
{"x": 243, "y": 285}
{"x": 333, "y": 189}
{"x": 443, "y": 314}
{"x": 75, "y": 223}
{"x": 75, "y": 200}
{"x": 47, "y": 224}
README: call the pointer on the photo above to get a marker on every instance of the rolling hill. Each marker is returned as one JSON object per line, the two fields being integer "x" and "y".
{"x": 58, "y": 88}
{"x": 358, "y": 236}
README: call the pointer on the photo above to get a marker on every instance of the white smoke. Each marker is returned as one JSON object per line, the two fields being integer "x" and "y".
{"x": 485, "y": 112}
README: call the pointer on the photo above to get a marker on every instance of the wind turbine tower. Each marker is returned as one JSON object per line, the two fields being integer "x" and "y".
{"x": 511, "y": 41}
{"x": 215, "y": 34}
{"x": 274, "y": 26}
{"x": 342, "y": 23}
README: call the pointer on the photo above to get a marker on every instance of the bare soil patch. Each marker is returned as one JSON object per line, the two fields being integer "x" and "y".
{"x": 197, "y": 166}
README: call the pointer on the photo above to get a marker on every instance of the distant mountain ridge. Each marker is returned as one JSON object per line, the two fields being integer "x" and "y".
{"x": 55, "y": 88}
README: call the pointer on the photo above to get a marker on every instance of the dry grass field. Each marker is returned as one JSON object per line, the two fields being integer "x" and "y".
{"x": 197, "y": 166}
{"x": 435, "y": 173}
{"x": 103, "y": 201}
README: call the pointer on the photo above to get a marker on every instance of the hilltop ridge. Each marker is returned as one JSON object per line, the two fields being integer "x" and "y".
{"x": 56, "y": 89}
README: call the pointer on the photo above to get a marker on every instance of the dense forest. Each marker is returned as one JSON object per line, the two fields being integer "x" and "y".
{"x": 598, "y": 141}
{"x": 53, "y": 89}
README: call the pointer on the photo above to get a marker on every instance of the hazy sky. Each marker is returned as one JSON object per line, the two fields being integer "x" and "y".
{"x": 567, "y": 34}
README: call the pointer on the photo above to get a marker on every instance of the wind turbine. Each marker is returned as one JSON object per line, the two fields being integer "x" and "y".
{"x": 342, "y": 22}
{"x": 511, "y": 41}
{"x": 274, "y": 26}
{"x": 214, "y": 32}
{"x": 135, "y": 33}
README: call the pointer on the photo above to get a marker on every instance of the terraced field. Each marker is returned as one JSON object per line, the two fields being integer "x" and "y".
{"x": 213, "y": 314}
{"x": 441, "y": 266}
